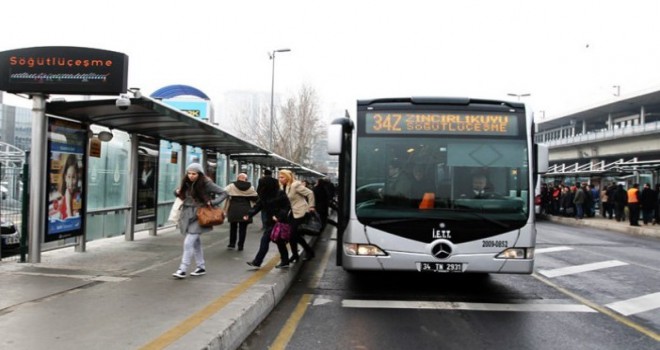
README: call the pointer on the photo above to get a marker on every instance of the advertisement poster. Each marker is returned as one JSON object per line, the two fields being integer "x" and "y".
{"x": 66, "y": 176}
{"x": 147, "y": 171}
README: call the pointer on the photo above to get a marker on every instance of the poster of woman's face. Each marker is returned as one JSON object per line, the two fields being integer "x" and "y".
{"x": 67, "y": 143}
{"x": 65, "y": 200}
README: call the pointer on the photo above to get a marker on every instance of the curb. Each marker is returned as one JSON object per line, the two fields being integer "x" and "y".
{"x": 609, "y": 225}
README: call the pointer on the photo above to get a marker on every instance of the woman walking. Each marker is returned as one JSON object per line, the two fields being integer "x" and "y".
{"x": 275, "y": 206}
{"x": 302, "y": 201}
{"x": 196, "y": 191}
{"x": 241, "y": 196}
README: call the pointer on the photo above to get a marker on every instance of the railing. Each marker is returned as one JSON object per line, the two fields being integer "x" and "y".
{"x": 602, "y": 135}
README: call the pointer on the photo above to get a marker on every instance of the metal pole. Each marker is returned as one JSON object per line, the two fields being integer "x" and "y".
{"x": 272, "y": 97}
{"x": 131, "y": 189}
{"x": 37, "y": 176}
{"x": 272, "y": 94}
{"x": 25, "y": 207}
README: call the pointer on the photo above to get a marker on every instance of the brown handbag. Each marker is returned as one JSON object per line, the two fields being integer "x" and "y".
{"x": 208, "y": 216}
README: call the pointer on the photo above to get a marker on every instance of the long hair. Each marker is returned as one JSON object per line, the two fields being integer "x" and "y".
{"x": 288, "y": 175}
{"x": 196, "y": 188}
{"x": 71, "y": 161}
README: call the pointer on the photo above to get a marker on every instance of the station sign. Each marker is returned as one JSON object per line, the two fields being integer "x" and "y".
{"x": 63, "y": 70}
{"x": 441, "y": 123}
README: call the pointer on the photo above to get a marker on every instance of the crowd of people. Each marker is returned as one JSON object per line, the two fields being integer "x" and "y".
{"x": 613, "y": 201}
{"x": 282, "y": 200}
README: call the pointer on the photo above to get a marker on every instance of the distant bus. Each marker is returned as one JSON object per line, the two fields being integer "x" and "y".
{"x": 437, "y": 185}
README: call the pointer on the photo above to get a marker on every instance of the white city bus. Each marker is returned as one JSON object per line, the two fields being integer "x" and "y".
{"x": 408, "y": 168}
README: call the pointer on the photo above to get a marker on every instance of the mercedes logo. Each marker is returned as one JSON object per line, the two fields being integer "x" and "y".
{"x": 441, "y": 250}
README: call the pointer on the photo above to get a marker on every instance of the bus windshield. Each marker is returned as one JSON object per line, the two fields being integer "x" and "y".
{"x": 476, "y": 179}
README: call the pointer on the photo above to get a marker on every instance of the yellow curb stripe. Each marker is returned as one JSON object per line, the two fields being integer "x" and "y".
{"x": 291, "y": 324}
{"x": 202, "y": 315}
{"x": 617, "y": 317}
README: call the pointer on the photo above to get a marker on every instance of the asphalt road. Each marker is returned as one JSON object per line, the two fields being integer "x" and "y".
{"x": 592, "y": 289}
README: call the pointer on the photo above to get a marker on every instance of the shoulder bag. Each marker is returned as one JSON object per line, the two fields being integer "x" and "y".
{"x": 209, "y": 216}
{"x": 280, "y": 232}
{"x": 175, "y": 213}
{"x": 312, "y": 225}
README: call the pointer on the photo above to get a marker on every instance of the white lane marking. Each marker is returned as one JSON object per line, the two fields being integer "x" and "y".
{"x": 551, "y": 250}
{"x": 570, "y": 270}
{"x": 442, "y": 305}
{"x": 636, "y": 305}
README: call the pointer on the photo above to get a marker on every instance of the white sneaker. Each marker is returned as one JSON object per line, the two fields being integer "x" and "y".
{"x": 179, "y": 274}
{"x": 198, "y": 272}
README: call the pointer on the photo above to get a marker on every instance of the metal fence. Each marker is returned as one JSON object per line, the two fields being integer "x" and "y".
{"x": 11, "y": 212}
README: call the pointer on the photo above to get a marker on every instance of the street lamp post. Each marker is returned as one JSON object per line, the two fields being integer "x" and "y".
{"x": 519, "y": 95}
{"x": 272, "y": 93}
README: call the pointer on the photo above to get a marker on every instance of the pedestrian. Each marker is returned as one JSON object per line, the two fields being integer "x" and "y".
{"x": 196, "y": 191}
{"x": 276, "y": 206}
{"x": 566, "y": 201}
{"x": 578, "y": 201}
{"x": 620, "y": 202}
{"x": 595, "y": 198}
{"x": 609, "y": 209}
{"x": 302, "y": 201}
{"x": 633, "y": 205}
{"x": 241, "y": 198}
{"x": 266, "y": 181}
{"x": 322, "y": 200}
{"x": 657, "y": 205}
{"x": 556, "y": 195}
{"x": 647, "y": 201}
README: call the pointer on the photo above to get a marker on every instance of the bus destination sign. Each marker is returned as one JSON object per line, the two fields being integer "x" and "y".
{"x": 441, "y": 123}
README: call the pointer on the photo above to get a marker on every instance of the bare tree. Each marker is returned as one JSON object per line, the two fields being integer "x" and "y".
{"x": 295, "y": 129}
{"x": 251, "y": 121}
{"x": 299, "y": 126}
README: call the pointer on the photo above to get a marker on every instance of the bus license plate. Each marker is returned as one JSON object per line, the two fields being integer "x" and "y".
{"x": 440, "y": 267}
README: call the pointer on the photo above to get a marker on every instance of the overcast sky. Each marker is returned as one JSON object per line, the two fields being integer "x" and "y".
{"x": 567, "y": 53}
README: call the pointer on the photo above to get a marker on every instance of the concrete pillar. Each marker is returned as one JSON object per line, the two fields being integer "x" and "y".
{"x": 642, "y": 115}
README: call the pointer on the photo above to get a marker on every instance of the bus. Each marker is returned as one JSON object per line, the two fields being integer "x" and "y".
{"x": 437, "y": 185}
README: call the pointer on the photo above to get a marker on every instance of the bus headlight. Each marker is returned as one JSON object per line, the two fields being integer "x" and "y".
{"x": 516, "y": 253}
{"x": 363, "y": 249}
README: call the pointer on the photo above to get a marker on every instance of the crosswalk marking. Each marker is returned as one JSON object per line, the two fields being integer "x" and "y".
{"x": 551, "y": 249}
{"x": 442, "y": 305}
{"x": 570, "y": 270}
{"x": 636, "y": 305}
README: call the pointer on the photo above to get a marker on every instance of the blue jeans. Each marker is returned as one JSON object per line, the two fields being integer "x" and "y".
{"x": 263, "y": 248}
{"x": 579, "y": 211}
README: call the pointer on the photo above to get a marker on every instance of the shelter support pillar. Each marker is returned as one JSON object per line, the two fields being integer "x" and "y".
{"x": 131, "y": 190}
{"x": 37, "y": 211}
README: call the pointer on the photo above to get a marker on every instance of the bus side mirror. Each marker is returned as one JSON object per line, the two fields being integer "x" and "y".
{"x": 542, "y": 158}
{"x": 335, "y": 139}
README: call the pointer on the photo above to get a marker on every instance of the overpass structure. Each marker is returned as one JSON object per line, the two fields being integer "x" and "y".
{"x": 617, "y": 140}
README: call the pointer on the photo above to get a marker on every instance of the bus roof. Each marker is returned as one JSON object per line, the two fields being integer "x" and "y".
{"x": 420, "y": 100}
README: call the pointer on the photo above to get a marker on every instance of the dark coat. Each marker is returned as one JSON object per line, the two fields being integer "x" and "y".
{"x": 648, "y": 199}
{"x": 241, "y": 197}
{"x": 277, "y": 205}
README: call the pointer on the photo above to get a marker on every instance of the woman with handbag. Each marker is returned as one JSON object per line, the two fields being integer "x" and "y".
{"x": 275, "y": 204}
{"x": 302, "y": 200}
{"x": 196, "y": 191}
